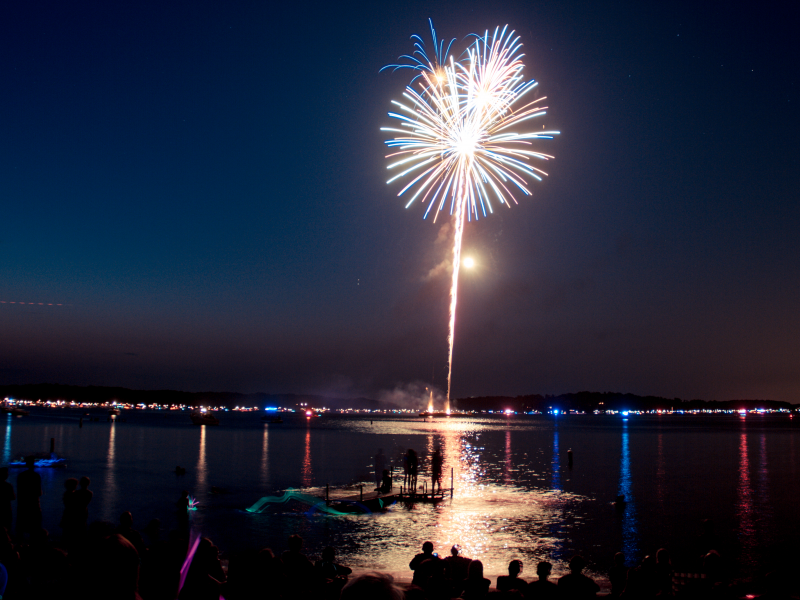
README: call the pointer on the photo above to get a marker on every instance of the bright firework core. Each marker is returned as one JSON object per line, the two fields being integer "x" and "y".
{"x": 461, "y": 138}
{"x": 469, "y": 263}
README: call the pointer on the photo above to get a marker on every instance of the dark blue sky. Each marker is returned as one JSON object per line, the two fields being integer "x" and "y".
{"x": 202, "y": 186}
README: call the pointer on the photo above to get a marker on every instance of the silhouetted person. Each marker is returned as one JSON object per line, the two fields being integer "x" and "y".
{"x": 46, "y": 566}
{"x": 663, "y": 572}
{"x": 380, "y": 465}
{"x": 182, "y": 511}
{"x": 328, "y": 568}
{"x": 512, "y": 581}
{"x": 114, "y": 571}
{"x": 372, "y": 586}
{"x": 430, "y": 577}
{"x": 642, "y": 581}
{"x": 7, "y": 495}
{"x": 126, "y": 530}
{"x": 618, "y": 575}
{"x": 386, "y": 482}
{"x": 426, "y": 554}
{"x": 29, "y": 509}
{"x": 206, "y": 576}
{"x": 297, "y": 568}
{"x": 83, "y": 497}
{"x": 413, "y": 468}
{"x": 436, "y": 469}
{"x": 70, "y": 519}
{"x": 575, "y": 585}
{"x": 542, "y": 588}
{"x": 456, "y": 568}
{"x": 476, "y": 586}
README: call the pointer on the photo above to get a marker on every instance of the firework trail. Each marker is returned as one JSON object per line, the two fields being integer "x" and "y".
{"x": 462, "y": 138}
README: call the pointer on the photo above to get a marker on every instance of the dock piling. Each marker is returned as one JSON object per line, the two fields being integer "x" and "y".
{"x": 451, "y": 482}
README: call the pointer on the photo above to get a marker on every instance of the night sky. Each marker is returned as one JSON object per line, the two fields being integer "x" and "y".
{"x": 201, "y": 187}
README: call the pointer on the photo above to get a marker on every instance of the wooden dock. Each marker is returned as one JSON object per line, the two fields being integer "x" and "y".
{"x": 372, "y": 500}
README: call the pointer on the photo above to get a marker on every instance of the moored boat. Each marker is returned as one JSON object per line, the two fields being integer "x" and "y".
{"x": 203, "y": 418}
{"x": 51, "y": 461}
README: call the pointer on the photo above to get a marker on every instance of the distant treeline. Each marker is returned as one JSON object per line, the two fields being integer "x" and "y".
{"x": 591, "y": 401}
{"x": 580, "y": 401}
{"x": 99, "y": 394}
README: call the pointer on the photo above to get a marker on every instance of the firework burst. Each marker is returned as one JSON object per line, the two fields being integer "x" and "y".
{"x": 462, "y": 138}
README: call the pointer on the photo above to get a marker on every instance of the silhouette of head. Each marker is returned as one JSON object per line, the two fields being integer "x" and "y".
{"x": 85, "y": 481}
{"x": 455, "y": 549}
{"x": 29, "y": 461}
{"x": 3, "y": 473}
{"x": 576, "y": 564}
{"x": 126, "y": 520}
{"x": 328, "y": 554}
{"x": 295, "y": 543}
{"x": 71, "y": 484}
{"x": 619, "y": 559}
{"x": 427, "y": 547}
{"x": 371, "y": 586}
{"x": 475, "y": 570}
{"x": 515, "y": 568}
{"x": 543, "y": 569}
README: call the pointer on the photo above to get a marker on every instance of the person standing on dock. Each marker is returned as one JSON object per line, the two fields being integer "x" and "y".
{"x": 380, "y": 465}
{"x": 413, "y": 467}
{"x": 436, "y": 469}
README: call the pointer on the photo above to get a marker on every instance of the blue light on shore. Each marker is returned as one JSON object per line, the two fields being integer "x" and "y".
{"x": 556, "y": 411}
{"x": 624, "y": 413}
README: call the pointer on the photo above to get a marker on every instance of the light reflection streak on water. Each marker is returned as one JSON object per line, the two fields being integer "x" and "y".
{"x": 507, "y": 467}
{"x": 764, "y": 505}
{"x": 201, "y": 482}
{"x": 556, "y": 462}
{"x": 264, "y": 458}
{"x": 429, "y": 447}
{"x": 7, "y": 443}
{"x": 306, "y": 473}
{"x": 469, "y": 526}
{"x": 630, "y": 526}
{"x": 661, "y": 470}
{"x": 109, "y": 504}
{"x": 744, "y": 500}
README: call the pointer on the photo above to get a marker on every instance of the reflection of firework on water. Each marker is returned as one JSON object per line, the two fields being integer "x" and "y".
{"x": 192, "y": 504}
{"x": 459, "y": 136}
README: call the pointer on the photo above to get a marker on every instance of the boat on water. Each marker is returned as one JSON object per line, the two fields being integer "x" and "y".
{"x": 203, "y": 418}
{"x": 16, "y": 411}
{"x": 274, "y": 420}
{"x": 50, "y": 461}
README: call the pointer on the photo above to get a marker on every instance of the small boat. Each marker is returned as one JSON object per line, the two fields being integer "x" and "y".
{"x": 16, "y": 411}
{"x": 272, "y": 419}
{"x": 203, "y": 418}
{"x": 51, "y": 461}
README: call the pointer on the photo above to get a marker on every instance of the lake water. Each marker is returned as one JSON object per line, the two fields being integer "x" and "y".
{"x": 515, "y": 496}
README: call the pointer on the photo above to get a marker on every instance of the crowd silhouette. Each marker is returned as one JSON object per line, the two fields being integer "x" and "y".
{"x": 96, "y": 560}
